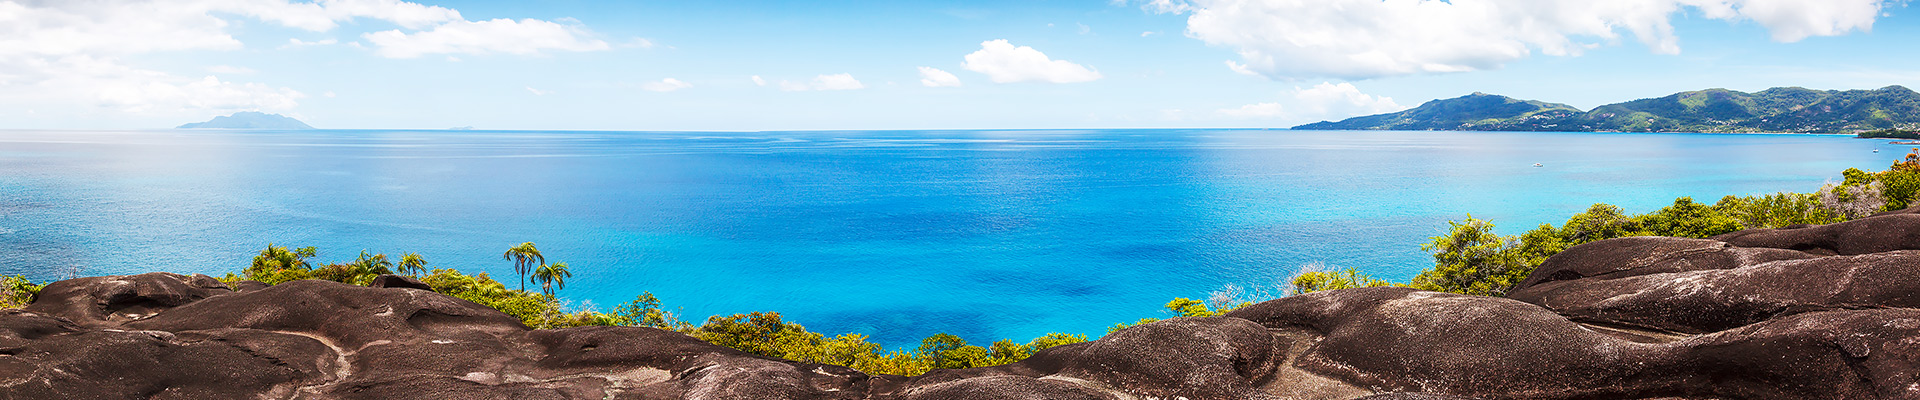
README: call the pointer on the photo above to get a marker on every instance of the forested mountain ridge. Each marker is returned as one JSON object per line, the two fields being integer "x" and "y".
{"x": 1790, "y": 109}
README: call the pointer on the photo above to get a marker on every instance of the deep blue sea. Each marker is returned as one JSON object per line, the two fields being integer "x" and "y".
{"x": 895, "y": 234}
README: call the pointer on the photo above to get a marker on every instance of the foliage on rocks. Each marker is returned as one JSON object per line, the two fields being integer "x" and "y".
{"x": 763, "y": 333}
{"x": 1472, "y": 259}
{"x": 16, "y": 291}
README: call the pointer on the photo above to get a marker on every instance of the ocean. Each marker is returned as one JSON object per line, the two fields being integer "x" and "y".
{"x": 893, "y": 234}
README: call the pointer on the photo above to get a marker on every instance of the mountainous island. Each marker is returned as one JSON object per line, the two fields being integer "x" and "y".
{"x": 249, "y": 120}
{"x": 1788, "y": 109}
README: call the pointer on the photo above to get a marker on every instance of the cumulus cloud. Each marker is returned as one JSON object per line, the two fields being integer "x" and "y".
{"x": 104, "y": 83}
{"x": 666, "y": 85}
{"x": 523, "y": 37}
{"x": 1002, "y": 62}
{"x": 1322, "y": 101}
{"x": 1359, "y": 39}
{"x": 230, "y": 70}
{"x": 757, "y": 81}
{"x": 824, "y": 82}
{"x": 934, "y": 77}
{"x": 302, "y": 43}
{"x": 1242, "y": 69}
{"x": 72, "y": 51}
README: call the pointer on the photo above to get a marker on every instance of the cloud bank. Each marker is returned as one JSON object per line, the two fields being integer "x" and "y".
{"x": 504, "y": 36}
{"x": 1360, "y": 39}
{"x": 72, "y": 51}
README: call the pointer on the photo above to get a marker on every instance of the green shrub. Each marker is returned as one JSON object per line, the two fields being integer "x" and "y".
{"x": 1686, "y": 218}
{"x": 1314, "y": 281}
{"x": 16, "y": 291}
{"x": 1777, "y": 210}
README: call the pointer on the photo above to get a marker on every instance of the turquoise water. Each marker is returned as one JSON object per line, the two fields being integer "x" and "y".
{"x": 984, "y": 234}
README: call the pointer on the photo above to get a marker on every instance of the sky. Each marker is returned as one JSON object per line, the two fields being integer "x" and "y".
{"x": 868, "y": 65}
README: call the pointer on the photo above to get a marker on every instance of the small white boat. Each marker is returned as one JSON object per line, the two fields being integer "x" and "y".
{"x": 1536, "y": 165}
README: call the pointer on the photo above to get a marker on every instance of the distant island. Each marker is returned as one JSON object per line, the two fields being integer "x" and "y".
{"x": 1788, "y": 110}
{"x": 249, "y": 120}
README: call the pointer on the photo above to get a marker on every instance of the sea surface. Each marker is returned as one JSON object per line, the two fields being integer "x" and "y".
{"x": 893, "y": 234}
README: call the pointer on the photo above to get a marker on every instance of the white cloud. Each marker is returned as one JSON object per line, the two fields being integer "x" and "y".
{"x": 538, "y": 92}
{"x": 205, "y": 94}
{"x": 1004, "y": 63}
{"x": 836, "y": 82}
{"x": 825, "y": 82}
{"x": 55, "y": 28}
{"x": 523, "y": 37}
{"x": 230, "y": 70}
{"x": 85, "y": 81}
{"x": 666, "y": 85}
{"x": 302, "y": 43}
{"x": 1359, "y": 39}
{"x": 325, "y": 14}
{"x": 757, "y": 81}
{"x": 1159, "y": 6}
{"x": 934, "y": 77}
{"x": 1242, "y": 69}
{"x": 1328, "y": 99}
{"x": 55, "y": 51}
{"x": 1322, "y": 101}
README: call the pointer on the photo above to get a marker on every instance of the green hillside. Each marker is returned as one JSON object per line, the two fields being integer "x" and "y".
{"x": 1794, "y": 109}
{"x": 1478, "y": 111}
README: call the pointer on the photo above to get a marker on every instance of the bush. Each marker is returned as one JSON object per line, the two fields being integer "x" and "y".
{"x": 1314, "y": 281}
{"x": 1778, "y": 210}
{"x": 765, "y": 333}
{"x": 16, "y": 291}
{"x": 1471, "y": 259}
{"x": 1686, "y": 218}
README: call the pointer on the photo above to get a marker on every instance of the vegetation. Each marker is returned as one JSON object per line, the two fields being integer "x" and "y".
{"x": 763, "y": 333}
{"x": 1885, "y": 112}
{"x": 1890, "y": 134}
{"x": 525, "y": 258}
{"x": 1471, "y": 259}
{"x": 1316, "y": 277}
{"x": 16, "y": 291}
{"x": 552, "y": 277}
{"x": 278, "y": 264}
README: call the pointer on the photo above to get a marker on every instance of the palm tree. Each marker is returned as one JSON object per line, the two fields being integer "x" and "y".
{"x": 552, "y": 277}
{"x": 525, "y": 257}
{"x": 413, "y": 264}
{"x": 275, "y": 258}
{"x": 368, "y": 266}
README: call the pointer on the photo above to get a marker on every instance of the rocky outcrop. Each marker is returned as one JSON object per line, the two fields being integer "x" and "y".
{"x": 1824, "y": 312}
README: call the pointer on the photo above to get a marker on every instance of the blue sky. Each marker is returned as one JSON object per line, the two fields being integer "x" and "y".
{"x": 654, "y": 65}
